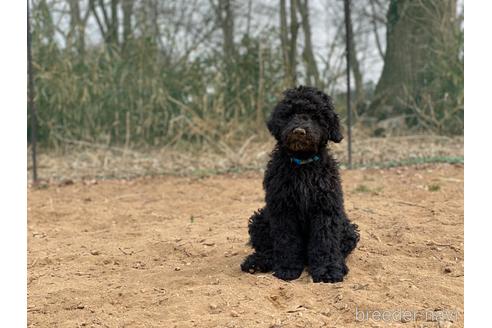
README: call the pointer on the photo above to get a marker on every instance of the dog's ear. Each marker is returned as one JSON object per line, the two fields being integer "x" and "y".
{"x": 334, "y": 133}
{"x": 274, "y": 123}
{"x": 271, "y": 126}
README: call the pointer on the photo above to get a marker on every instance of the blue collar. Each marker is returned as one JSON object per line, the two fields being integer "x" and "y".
{"x": 300, "y": 162}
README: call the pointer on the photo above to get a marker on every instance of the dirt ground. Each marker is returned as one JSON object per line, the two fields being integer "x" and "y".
{"x": 165, "y": 252}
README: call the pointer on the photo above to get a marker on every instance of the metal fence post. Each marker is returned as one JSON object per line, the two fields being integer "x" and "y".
{"x": 31, "y": 98}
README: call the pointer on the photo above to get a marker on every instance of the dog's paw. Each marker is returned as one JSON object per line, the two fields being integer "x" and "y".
{"x": 256, "y": 263}
{"x": 288, "y": 274}
{"x": 329, "y": 274}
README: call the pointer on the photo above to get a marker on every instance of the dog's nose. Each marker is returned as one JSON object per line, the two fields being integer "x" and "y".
{"x": 299, "y": 131}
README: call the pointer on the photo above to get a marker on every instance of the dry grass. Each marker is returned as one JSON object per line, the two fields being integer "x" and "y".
{"x": 90, "y": 161}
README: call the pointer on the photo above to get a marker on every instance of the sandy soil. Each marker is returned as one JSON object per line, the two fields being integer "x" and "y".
{"x": 165, "y": 252}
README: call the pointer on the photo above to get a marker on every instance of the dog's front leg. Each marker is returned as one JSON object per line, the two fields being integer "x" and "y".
{"x": 325, "y": 259}
{"x": 287, "y": 248}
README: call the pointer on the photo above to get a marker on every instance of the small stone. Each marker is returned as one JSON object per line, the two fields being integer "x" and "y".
{"x": 234, "y": 253}
{"x": 443, "y": 324}
{"x": 139, "y": 265}
{"x": 234, "y": 314}
{"x": 39, "y": 234}
{"x": 447, "y": 270}
{"x": 94, "y": 252}
{"x": 212, "y": 306}
{"x": 177, "y": 269}
{"x": 66, "y": 182}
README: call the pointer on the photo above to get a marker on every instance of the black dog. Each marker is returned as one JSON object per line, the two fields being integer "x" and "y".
{"x": 304, "y": 220}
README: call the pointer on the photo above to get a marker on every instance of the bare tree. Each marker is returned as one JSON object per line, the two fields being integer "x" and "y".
{"x": 284, "y": 36}
{"x": 78, "y": 23}
{"x": 248, "y": 18}
{"x": 289, "y": 41}
{"x": 225, "y": 18}
{"x": 312, "y": 72}
{"x": 127, "y": 9}
{"x": 359, "y": 85}
{"x": 107, "y": 22}
{"x": 374, "y": 24}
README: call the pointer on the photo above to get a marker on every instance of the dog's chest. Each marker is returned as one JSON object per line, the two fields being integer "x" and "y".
{"x": 307, "y": 191}
{"x": 301, "y": 191}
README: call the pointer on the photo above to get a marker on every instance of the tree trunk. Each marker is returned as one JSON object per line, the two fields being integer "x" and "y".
{"x": 226, "y": 20}
{"x": 412, "y": 37}
{"x": 248, "y": 18}
{"x": 308, "y": 54}
{"x": 294, "y": 27}
{"x": 108, "y": 26}
{"x": 288, "y": 39}
{"x": 284, "y": 40}
{"x": 375, "y": 28}
{"x": 114, "y": 22}
{"x": 78, "y": 24}
{"x": 127, "y": 9}
{"x": 354, "y": 62}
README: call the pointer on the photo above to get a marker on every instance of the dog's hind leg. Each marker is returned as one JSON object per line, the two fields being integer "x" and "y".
{"x": 259, "y": 231}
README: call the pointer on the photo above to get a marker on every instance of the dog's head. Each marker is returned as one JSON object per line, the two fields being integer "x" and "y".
{"x": 304, "y": 121}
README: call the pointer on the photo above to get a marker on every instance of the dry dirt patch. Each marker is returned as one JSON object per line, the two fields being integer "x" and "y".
{"x": 165, "y": 252}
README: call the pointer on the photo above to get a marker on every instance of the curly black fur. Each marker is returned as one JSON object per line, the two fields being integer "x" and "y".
{"x": 304, "y": 220}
